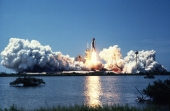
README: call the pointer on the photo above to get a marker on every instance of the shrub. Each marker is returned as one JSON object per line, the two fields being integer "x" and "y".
{"x": 159, "y": 91}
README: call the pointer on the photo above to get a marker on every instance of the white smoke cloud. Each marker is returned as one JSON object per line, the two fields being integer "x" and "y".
{"x": 22, "y": 55}
{"x": 113, "y": 58}
{"x": 145, "y": 61}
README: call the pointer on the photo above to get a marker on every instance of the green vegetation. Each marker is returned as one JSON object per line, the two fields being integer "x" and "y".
{"x": 89, "y": 108}
{"x": 159, "y": 91}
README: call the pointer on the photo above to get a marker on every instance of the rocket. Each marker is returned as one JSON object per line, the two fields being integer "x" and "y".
{"x": 93, "y": 44}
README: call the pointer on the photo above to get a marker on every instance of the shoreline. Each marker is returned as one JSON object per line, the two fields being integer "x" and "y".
{"x": 78, "y": 74}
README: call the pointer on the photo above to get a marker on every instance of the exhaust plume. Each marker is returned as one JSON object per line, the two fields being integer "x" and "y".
{"x": 22, "y": 55}
{"x": 145, "y": 61}
{"x": 91, "y": 60}
{"x": 113, "y": 58}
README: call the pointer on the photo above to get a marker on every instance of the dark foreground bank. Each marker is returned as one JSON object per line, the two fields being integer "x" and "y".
{"x": 91, "y": 108}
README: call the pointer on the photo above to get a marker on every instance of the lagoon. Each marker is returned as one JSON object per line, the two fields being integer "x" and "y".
{"x": 71, "y": 90}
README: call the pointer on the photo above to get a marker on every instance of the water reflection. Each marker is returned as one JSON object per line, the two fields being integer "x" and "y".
{"x": 92, "y": 90}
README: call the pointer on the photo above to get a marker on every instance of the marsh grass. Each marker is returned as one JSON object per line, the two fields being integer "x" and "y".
{"x": 88, "y": 108}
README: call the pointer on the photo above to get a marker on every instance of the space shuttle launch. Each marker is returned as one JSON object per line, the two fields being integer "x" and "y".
{"x": 93, "y": 44}
{"x": 49, "y": 61}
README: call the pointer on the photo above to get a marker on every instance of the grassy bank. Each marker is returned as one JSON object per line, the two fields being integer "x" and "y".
{"x": 89, "y": 108}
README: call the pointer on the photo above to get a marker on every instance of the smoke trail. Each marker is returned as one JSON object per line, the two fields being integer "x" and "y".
{"x": 22, "y": 55}
{"x": 145, "y": 61}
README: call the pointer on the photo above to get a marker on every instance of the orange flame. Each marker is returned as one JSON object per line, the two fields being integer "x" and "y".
{"x": 93, "y": 57}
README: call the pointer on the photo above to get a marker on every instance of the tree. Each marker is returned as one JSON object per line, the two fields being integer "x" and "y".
{"x": 159, "y": 91}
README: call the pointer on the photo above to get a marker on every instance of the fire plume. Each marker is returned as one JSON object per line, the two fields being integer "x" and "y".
{"x": 93, "y": 57}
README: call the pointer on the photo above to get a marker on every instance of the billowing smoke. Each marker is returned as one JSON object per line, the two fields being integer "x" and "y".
{"x": 143, "y": 61}
{"x": 113, "y": 59}
{"x": 22, "y": 55}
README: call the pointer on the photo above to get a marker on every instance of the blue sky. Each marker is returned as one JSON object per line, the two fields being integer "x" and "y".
{"x": 67, "y": 25}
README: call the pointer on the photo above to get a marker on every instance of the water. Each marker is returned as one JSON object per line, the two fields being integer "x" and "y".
{"x": 70, "y": 90}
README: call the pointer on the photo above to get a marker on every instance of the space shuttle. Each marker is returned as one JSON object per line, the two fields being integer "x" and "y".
{"x": 93, "y": 45}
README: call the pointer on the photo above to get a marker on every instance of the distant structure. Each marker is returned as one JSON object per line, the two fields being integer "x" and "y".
{"x": 136, "y": 53}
